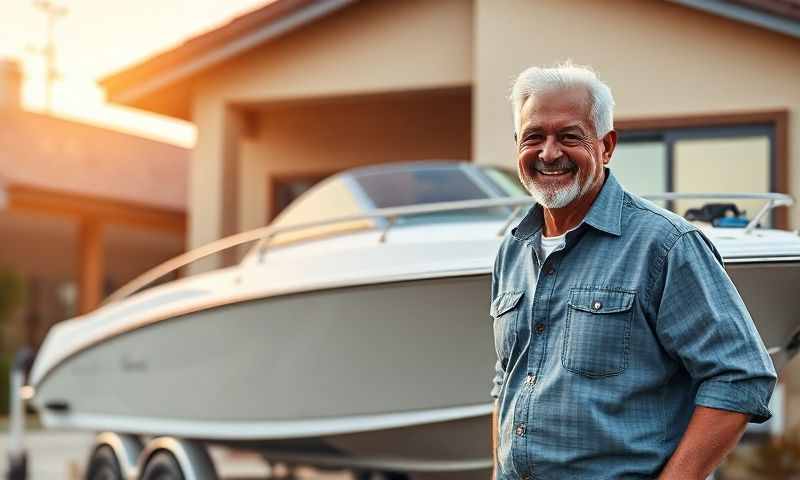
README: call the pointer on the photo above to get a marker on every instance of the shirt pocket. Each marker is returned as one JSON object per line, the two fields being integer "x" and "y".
{"x": 505, "y": 310}
{"x": 598, "y": 330}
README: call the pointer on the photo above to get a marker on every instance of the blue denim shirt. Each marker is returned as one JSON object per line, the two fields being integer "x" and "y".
{"x": 605, "y": 349}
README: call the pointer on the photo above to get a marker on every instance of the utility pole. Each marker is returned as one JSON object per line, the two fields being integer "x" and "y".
{"x": 53, "y": 12}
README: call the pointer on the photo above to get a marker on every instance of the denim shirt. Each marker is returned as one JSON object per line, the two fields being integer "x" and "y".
{"x": 605, "y": 348}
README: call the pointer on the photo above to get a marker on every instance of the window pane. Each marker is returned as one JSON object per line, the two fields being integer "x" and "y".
{"x": 724, "y": 165}
{"x": 641, "y": 167}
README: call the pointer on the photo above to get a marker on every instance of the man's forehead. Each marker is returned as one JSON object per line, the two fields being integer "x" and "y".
{"x": 565, "y": 107}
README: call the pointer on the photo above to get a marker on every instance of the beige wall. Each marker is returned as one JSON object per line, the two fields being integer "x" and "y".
{"x": 371, "y": 47}
{"x": 660, "y": 59}
{"x": 311, "y": 137}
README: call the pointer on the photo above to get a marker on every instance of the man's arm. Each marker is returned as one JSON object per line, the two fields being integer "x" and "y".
{"x": 711, "y": 435}
{"x": 494, "y": 441}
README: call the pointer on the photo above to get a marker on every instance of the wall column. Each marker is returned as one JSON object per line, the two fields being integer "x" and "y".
{"x": 215, "y": 177}
{"x": 91, "y": 265}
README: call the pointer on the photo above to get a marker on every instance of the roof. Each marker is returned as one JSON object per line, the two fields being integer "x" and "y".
{"x": 782, "y": 16}
{"x": 47, "y": 152}
{"x": 199, "y": 53}
{"x": 165, "y": 72}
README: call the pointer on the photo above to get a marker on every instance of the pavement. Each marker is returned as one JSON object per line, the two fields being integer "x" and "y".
{"x": 55, "y": 455}
{"x": 52, "y": 455}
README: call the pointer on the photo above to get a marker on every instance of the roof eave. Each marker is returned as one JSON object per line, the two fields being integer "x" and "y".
{"x": 744, "y": 14}
{"x": 134, "y": 93}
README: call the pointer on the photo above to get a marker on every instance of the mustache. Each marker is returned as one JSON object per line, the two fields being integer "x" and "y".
{"x": 561, "y": 164}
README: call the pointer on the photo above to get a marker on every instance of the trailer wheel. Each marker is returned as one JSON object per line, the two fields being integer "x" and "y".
{"x": 162, "y": 466}
{"x": 103, "y": 465}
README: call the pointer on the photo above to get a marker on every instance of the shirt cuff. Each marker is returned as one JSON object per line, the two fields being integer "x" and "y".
{"x": 735, "y": 398}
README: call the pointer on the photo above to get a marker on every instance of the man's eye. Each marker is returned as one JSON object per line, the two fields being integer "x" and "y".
{"x": 533, "y": 138}
{"x": 570, "y": 137}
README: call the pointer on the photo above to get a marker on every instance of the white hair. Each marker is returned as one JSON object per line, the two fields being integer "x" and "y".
{"x": 564, "y": 76}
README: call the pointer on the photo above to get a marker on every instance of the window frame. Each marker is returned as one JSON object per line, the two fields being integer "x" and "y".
{"x": 669, "y": 130}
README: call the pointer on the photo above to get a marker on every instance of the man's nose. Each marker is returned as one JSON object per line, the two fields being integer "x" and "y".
{"x": 551, "y": 150}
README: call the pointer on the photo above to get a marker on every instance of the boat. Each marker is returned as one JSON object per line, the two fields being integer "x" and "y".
{"x": 354, "y": 333}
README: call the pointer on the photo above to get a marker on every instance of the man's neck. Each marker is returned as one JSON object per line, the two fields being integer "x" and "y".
{"x": 558, "y": 221}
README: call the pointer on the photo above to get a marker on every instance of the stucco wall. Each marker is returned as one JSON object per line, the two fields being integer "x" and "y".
{"x": 371, "y": 47}
{"x": 660, "y": 59}
{"x": 327, "y": 136}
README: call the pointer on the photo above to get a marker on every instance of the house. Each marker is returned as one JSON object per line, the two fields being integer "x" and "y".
{"x": 707, "y": 93}
{"x": 84, "y": 209}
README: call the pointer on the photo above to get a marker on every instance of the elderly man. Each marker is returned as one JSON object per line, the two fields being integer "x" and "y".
{"x": 624, "y": 350}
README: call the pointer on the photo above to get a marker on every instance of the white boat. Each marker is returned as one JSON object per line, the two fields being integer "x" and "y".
{"x": 354, "y": 334}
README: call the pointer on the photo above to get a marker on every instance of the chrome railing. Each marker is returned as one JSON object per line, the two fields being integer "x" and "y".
{"x": 390, "y": 215}
{"x": 269, "y": 232}
{"x": 773, "y": 200}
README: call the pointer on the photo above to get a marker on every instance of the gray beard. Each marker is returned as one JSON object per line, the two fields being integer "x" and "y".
{"x": 559, "y": 197}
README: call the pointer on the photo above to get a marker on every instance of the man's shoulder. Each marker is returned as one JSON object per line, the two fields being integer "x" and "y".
{"x": 641, "y": 216}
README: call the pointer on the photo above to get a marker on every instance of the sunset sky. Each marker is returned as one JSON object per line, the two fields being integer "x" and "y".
{"x": 99, "y": 37}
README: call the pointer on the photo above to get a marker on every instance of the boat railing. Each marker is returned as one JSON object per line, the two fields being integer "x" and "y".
{"x": 267, "y": 233}
{"x": 390, "y": 216}
{"x": 772, "y": 200}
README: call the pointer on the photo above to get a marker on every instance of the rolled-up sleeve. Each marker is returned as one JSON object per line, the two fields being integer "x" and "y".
{"x": 703, "y": 322}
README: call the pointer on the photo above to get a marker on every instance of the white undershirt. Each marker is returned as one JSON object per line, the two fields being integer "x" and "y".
{"x": 548, "y": 245}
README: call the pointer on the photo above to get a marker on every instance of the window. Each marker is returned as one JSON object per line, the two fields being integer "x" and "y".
{"x": 724, "y": 159}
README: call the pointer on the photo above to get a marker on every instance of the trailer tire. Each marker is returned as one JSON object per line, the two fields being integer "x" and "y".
{"x": 103, "y": 465}
{"x": 162, "y": 466}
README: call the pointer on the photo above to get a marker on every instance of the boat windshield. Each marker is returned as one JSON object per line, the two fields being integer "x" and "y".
{"x": 363, "y": 190}
{"x": 387, "y": 188}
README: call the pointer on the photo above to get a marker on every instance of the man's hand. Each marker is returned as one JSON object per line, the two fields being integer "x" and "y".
{"x": 711, "y": 435}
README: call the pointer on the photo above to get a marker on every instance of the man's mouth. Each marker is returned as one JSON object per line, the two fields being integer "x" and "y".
{"x": 554, "y": 172}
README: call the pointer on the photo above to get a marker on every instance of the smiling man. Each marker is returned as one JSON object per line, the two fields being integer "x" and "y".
{"x": 623, "y": 348}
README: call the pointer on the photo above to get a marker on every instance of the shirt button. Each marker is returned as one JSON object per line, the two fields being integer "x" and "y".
{"x": 520, "y": 431}
{"x": 539, "y": 327}
{"x": 549, "y": 271}
{"x": 597, "y": 305}
{"x": 530, "y": 379}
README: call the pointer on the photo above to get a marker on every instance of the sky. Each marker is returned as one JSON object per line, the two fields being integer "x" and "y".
{"x": 98, "y": 37}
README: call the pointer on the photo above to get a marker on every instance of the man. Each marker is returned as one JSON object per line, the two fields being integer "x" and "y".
{"x": 624, "y": 350}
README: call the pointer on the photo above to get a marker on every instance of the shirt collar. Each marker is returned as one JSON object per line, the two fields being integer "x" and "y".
{"x": 605, "y": 213}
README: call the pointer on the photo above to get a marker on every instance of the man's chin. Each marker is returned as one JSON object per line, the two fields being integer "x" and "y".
{"x": 554, "y": 198}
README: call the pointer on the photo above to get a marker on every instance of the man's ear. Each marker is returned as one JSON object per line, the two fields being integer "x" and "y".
{"x": 609, "y": 144}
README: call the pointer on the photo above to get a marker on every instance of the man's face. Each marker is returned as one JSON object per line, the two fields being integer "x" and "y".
{"x": 559, "y": 158}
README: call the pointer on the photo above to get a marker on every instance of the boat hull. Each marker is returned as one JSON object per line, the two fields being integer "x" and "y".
{"x": 391, "y": 376}
{"x": 335, "y": 365}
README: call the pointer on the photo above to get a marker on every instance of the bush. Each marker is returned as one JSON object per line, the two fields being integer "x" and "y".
{"x": 12, "y": 296}
{"x": 5, "y": 371}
